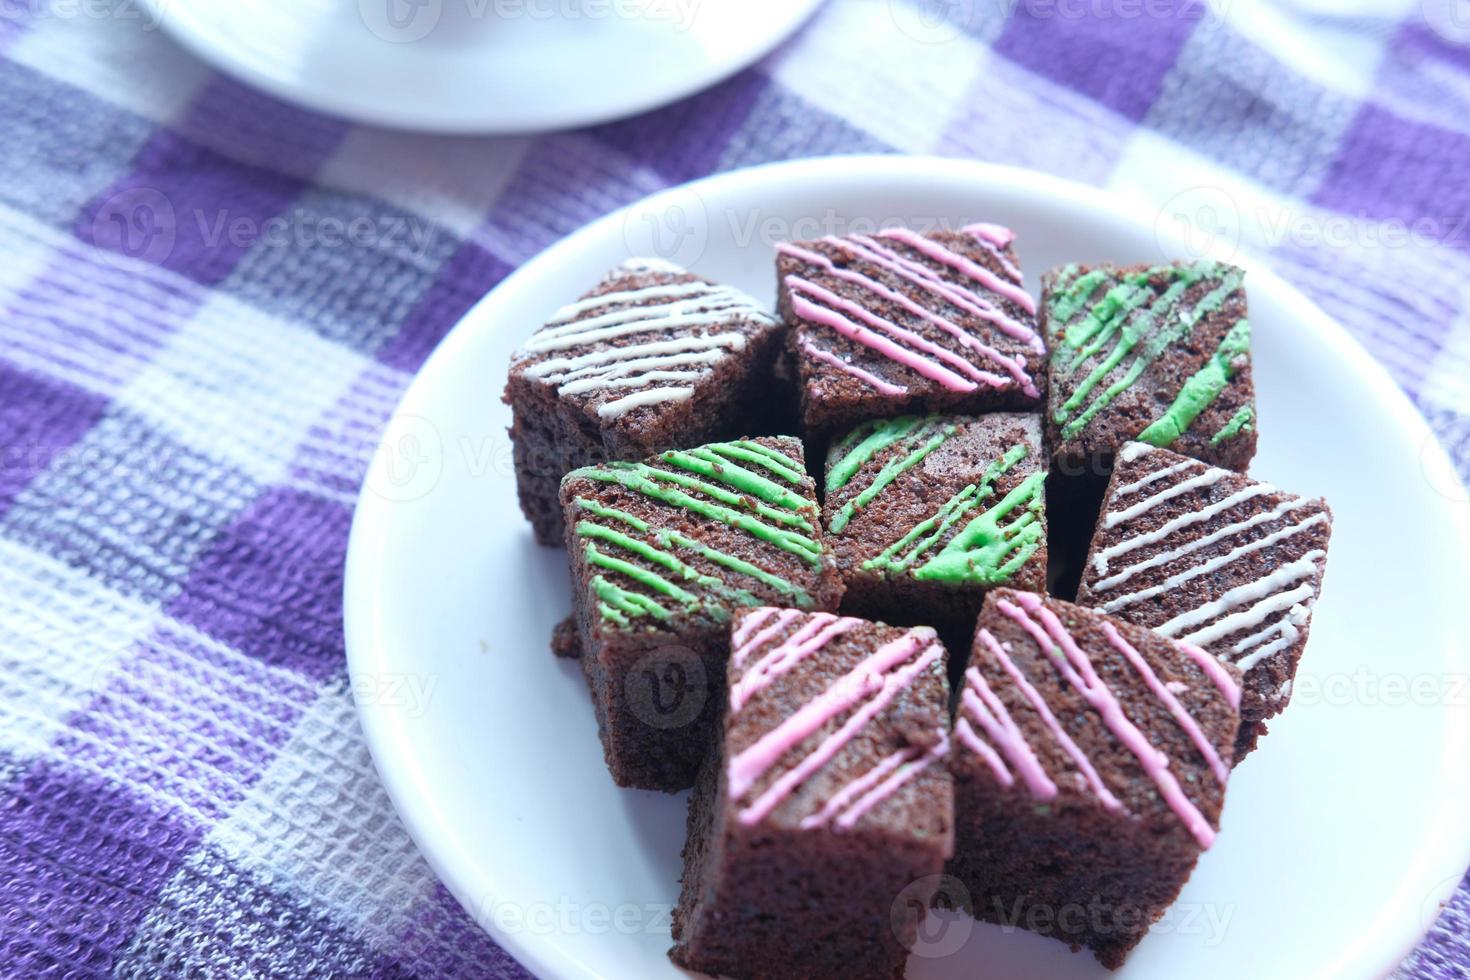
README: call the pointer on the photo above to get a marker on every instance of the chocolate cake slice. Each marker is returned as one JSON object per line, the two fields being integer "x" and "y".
{"x": 651, "y": 359}
{"x": 664, "y": 552}
{"x": 1216, "y": 559}
{"x": 1090, "y": 762}
{"x": 1158, "y": 354}
{"x": 903, "y": 322}
{"x": 926, "y": 514}
{"x": 823, "y": 817}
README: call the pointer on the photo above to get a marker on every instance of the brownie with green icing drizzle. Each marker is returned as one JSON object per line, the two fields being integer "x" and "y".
{"x": 1159, "y": 354}
{"x": 925, "y": 514}
{"x": 664, "y": 552}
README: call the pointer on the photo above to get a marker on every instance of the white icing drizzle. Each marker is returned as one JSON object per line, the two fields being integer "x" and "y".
{"x": 1204, "y": 568}
{"x": 1163, "y": 474}
{"x": 1289, "y": 628}
{"x": 648, "y": 396}
{"x": 1101, "y": 559}
{"x": 653, "y": 372}
{"x": 1264, "y": 594}
{"x": 1206, "y": 479}
{"x": 1165, "y": 557}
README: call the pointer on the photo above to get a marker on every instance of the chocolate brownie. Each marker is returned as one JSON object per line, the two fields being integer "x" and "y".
{"x": 1216, "y": 559}
{"x": 663, "y": 553}
{"x": 1158, "y": 354}
{"x": 653, "y": 358}
{"x": 902, "y": 322}
{"x": 824, "y": 815}
{"x": 1090, "y": 762}
{"x": 926, "y": 514}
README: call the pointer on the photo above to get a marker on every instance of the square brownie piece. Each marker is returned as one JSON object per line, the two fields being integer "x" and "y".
{"x": 924, "y": 515}
{"x": 653, "y": 358}
{"x": 1215, "y": 559}
{"x": 1158, "y": 354}
{"x": 664, "y": 552}
{"x": 822, "y": 820}
{"x": 1090, "y": 762}
{"x": 902, "y": 322}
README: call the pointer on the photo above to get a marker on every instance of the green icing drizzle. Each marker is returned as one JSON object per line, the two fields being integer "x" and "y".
{"x": 626, "y": 603}
{"x": 1202, "y": 388}
{"x": 714, "y": 466}
{"x": 985, "y": 551}
{"x": 865, "y": 442}
{"x": 888, "y": 474}
{"x": 978, "y": 554}
{"x": 753, "y": 504}
{"x": 753, "y": 452}
{"x": 1112, "y": 320}
{"x": 1239, "y": 422}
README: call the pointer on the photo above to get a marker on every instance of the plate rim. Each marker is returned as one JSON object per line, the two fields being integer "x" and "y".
{"x": 395, "y": 765}
{"x": 175, "y": 19}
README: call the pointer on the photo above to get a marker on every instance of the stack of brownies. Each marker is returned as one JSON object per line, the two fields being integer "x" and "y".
{"x": 822, "y": 564}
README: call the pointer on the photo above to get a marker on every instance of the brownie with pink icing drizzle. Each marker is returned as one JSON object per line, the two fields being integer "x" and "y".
{"x": 901, "y": 321}
{"x": 824, "y": 816}
{"x": 1090, "y": 759}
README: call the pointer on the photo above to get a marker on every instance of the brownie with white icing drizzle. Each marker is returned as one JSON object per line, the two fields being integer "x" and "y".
{"x": 653, "y": 358}
{"x": 1090, "y": 759}
{"x": 903, "y": 322}
{"x": 823, "y": 817}
{"x": 925, "y": 514}
{"x": 664, "y": 552}
{"x": 1214, "y": 558}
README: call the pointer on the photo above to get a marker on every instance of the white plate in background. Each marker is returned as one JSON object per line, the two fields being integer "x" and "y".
{"x": 1341, "y": 834}
{"x": 481, "y": 66}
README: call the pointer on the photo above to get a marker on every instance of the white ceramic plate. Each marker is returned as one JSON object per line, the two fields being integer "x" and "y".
{"x": 1341, "y": 835}
{"x": 481, "y": 66}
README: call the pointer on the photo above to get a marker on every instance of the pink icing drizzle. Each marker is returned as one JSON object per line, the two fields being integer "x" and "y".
{"x": 1215, "y": 671}
{"x": 966, "y": 734}
{"x": 894, "y": 783}
{"x": 828, "y": 317}
{"x": 1162, "y": 692}
{"x": 813, "y": 635}
{"x": 742, "y": 643}
{"x": 1078, "y": 670}
{"x": 991, "y": 712}
{"x": 1015, "y": 367}
{"x": 842, "y": 797}
{"x": 871, "y": 677}
{"x": 996, "y": 239}
{"x": 827, "y": 356}
{"x": 871, "y": 250}
{"x": 955, "y": 260}
{"x": 1078, "y": 757}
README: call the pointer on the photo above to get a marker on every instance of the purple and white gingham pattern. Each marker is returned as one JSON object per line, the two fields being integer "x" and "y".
{"x": 191, "y": 374}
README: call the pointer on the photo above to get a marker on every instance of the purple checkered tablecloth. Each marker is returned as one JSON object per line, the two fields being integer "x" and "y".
{"x": 210, "y": 302}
